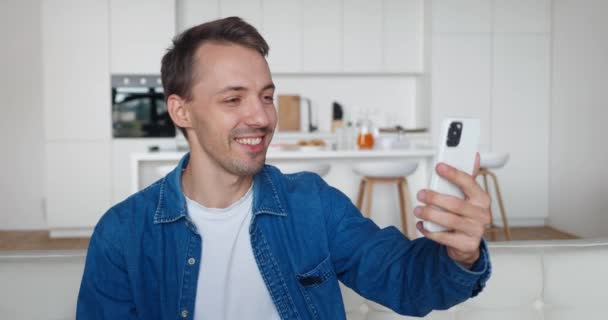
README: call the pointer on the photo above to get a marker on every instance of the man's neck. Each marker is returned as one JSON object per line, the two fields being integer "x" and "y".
{"x": 210, "y": 185}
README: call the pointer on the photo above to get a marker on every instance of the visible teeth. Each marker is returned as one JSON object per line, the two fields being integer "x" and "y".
{"x": 249, "y": 141}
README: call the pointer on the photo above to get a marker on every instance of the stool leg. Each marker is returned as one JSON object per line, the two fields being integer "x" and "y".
{"x": 505, "y": 223}
{"x": 484, "y": 174}
{"x": 361, "y": 193}
{"x": 368, "y": 203}
{"x": 402, "y": 189}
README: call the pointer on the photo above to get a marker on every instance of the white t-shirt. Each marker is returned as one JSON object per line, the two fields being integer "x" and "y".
{"x": 230, "y": 285}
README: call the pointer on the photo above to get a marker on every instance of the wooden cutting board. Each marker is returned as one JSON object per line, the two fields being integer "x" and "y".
{"x": 289, "y": 113}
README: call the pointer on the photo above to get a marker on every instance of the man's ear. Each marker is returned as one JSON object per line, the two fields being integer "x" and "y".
{"x": 176, "y": 106}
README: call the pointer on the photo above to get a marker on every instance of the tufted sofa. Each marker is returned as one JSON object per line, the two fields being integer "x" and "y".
{"x": 551, "y": 280}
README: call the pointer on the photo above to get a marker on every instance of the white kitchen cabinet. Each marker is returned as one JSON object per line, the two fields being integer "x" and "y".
{"x": 194, "y": 12}
{"x": 77, "y": 184}
{"x": 282, "y": 25}
{"x": 403, "y": 35}
{"x": 322, "y": 36}
{"x": 520, "y": 16}
{"x": 491, "y": 60}
{"x": 520, "y": 121}
{"x": 248, "y": 10}
{"x": 461, "y": 78}
{"x": 77, "y": 112}
{"x": 363, "y": 45}
{"x": 76, "y": 82}
{"x": 461, "y": 16}
{"x": 141, "y": 33}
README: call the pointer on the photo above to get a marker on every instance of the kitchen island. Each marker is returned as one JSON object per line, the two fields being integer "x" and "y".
{"x": 150, "y": 166}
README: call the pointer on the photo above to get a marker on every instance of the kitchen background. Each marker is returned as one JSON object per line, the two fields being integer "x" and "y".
{"x": 532, "y": 70}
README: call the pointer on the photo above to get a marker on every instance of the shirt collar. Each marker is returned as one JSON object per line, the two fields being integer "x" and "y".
{"x": 172, "y": 206}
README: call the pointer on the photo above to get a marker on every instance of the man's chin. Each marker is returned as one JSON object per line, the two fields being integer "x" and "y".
{"x": 247, "y": 168}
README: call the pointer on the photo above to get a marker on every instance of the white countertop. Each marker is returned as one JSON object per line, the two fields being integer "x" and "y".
{"x": 355, "y": 154}
{"x": 313, "y": 154}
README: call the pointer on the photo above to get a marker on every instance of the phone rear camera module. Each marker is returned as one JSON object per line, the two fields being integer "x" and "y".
{"x": 454, "y": 133}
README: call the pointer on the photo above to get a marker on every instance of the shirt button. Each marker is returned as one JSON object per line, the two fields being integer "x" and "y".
{"x": 191, "y": 261}
{"x": 184, "y": 313}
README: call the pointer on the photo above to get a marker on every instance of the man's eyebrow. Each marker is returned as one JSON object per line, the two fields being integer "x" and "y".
{"x": 241, "y": 88}
{"x": 232, "y": 88}
{"x": 269, "y": 86}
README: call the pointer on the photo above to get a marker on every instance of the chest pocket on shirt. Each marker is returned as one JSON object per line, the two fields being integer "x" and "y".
{"x": 321, "y": 291}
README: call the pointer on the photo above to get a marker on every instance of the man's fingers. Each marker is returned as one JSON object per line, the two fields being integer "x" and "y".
{"x": 464, "y": 181}
{"x": 455, "y": 240}
{"x": 451, "y": 221}
{"x": 457, "y": 205}
{"x": 477, "y": 165}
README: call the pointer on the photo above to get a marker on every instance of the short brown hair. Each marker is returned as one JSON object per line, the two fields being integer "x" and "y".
{"x": 177, "y": 68}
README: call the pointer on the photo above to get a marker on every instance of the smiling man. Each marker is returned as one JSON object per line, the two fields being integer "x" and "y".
{"x": 224, "y": 236}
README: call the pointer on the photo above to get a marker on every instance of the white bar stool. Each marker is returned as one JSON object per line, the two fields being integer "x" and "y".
{"x": 385, "y": 172}
{"x": 495, "y": 160}
{"x": 319, "y": 168}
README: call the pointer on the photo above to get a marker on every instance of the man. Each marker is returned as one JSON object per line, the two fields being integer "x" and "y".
{"x": 225, "y": 237}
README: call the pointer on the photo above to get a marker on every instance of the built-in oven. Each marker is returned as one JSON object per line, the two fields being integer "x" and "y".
{"x": 138, "y": 107}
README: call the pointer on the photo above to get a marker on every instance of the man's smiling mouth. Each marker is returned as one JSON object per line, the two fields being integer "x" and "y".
{"x": 249, "y": 141}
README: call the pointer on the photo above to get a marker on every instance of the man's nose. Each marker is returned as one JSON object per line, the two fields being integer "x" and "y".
{"x": 256, "y": 114}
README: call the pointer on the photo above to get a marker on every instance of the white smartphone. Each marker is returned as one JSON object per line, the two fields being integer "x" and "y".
{"x": 458, "y": 145}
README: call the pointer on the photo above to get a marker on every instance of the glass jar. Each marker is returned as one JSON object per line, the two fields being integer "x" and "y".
{"x": 365, "y": 138}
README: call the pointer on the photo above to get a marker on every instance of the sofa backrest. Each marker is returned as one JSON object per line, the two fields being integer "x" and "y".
{"x": 40, "y": 285}
{"x": 551, "y": 280}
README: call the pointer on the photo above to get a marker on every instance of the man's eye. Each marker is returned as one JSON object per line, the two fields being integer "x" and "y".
{"x": 269, "y": 99}
{"x": 233, "y": 100}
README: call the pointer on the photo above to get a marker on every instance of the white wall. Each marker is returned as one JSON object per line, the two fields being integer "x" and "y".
{"x": 392, "y": 99}
{"x": 578, "y": 189}
{"x": 21, "y": 123}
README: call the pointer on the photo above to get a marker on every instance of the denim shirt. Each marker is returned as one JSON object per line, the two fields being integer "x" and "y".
{"x": 144, "y": 256}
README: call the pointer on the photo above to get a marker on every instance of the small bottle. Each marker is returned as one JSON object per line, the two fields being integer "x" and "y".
{"x": 340, "y": 134}
{"x": 351, "y": 136}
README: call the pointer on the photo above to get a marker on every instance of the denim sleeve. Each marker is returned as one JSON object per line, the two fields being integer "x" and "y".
{"x": 411, "y": 277}
{"x": 104, "y": 291}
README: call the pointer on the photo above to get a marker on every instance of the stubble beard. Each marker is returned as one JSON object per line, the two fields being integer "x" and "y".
{"x": 235, "y": 165}
{"x": 242, "y": 168}
{"x": 249, "y": 168}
